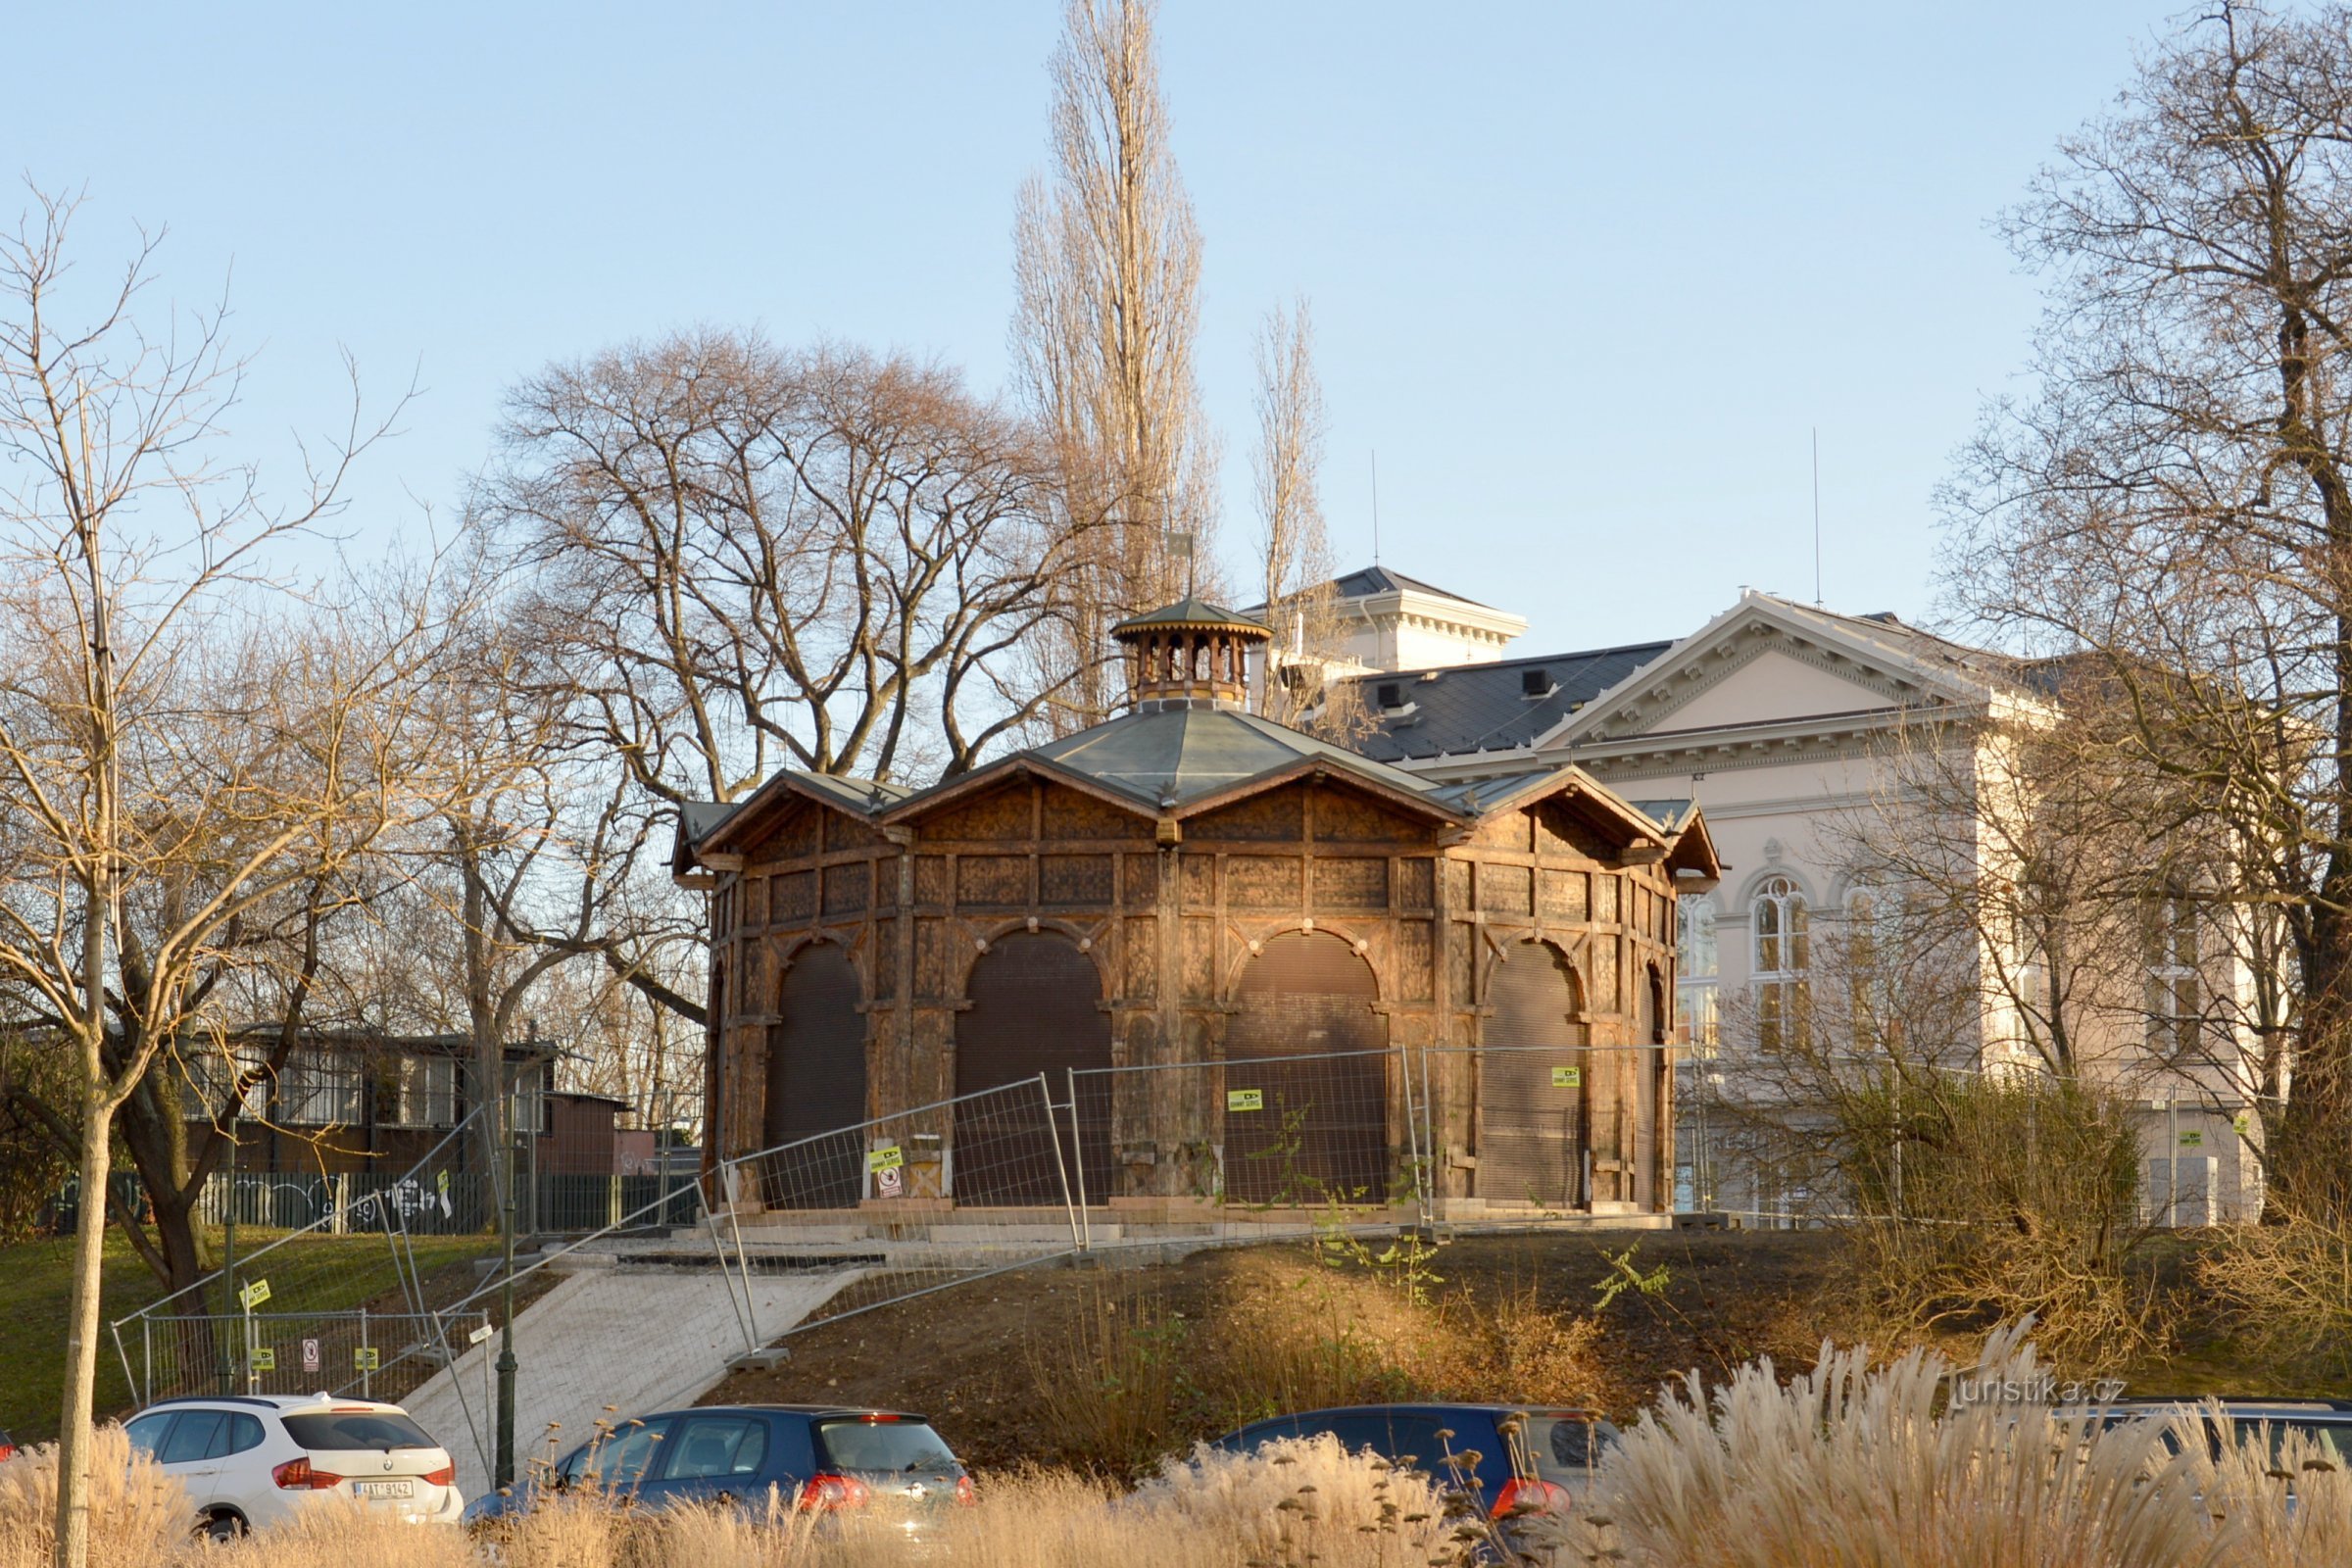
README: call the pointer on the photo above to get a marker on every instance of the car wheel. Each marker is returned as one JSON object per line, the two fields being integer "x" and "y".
{"x": 222, "y": 1527}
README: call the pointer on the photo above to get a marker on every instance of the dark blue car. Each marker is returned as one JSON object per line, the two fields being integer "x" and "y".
{"x": 816, "y": 1459}
{"x": 1509, "y": 1456}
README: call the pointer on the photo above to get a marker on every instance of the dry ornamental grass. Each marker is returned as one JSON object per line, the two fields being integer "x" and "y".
{"x": 1848, "y": 1466}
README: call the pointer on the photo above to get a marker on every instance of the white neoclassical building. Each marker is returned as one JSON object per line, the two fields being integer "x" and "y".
{"x": 1772, "y": 716}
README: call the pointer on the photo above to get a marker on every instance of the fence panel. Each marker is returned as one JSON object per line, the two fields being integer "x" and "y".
{"x": 360, "y": 1251}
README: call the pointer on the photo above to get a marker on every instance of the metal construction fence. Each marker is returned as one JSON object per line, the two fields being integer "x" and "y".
{"x": 377, "y": 1251}
{"x": 393, "y": 1288}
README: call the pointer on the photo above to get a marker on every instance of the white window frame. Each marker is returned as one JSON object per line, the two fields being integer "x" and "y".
{"x": 1780, "y": 914}
{"x": 1699, "y": 969}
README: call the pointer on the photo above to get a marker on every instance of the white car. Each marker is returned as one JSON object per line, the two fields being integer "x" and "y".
{"x": 248, "y": 1460}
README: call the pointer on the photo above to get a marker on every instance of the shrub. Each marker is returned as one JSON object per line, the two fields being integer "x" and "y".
{"x": 137, "y": 1513}
{"x": 1978, "y": 1199}
{"x": 2287, "y": 1290}
{"x": 1132, "y": 1380}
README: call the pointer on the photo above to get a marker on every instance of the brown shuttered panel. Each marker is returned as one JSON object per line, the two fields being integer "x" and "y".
{"x": 816, "y": 1079}
{"x": 1323, "y": 1129}
{"x": 1648, "y": 1065}
{"x": 1036, "y": 1006}
{"x": 1531, "y": 1143}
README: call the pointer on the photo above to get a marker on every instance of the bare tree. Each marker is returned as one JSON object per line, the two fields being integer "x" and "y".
{"x": 1300, "y": 598}
{"x": 2175, "y": 497}
{"x": 161, "y": 776}
{"x": 1108, "y": 270}
{"x": 752, "y": 556}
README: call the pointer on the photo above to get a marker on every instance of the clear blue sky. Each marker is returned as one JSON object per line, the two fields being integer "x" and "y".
{"x": 1583, "y": 276}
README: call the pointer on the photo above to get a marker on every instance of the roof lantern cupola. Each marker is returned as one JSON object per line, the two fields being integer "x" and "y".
{"x": 1192, "y": 653}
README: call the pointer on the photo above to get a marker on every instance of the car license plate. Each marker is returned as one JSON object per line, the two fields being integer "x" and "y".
{"x": 385, "y": 1489}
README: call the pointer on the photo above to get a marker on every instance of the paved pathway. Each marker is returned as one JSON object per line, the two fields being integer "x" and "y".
{"x": 636, "y": 1341}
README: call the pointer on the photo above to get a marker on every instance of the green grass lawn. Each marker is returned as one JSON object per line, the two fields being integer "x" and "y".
{"x": 318, "y": 1274}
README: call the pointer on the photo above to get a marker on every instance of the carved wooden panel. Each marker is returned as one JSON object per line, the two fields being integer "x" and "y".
{"x": 886, "y": 960}
{"x": 1139, "y": 947}
{"x": 794, "y": 834}
{"x": 1461, "y": 945}
{"x": 1200, "y": 960}
{"x": 1072, "y": 815}
{"x": 1343, "y": 816}
{"x": 1416, "y": 884}
{"x": 1262, "y": 882}
{"x": 1002, "y": 814}
{"x": 1550, "y": 839}
{"x": 1076, "y": 881}
{"x": 1200, "y": 890}
{"x": 1350, "y": 883}
{"x": 932, "y": 880}
{"x": 755, "y": 901}
{"x": 1571, "y": 829}
{"x": 792, "y": 898}
{"x": 1276, "y": 817}
{"x": 886, "y": 882}
{"x": 849, "y": 889}
{"x": 1415, "y": 979}
{"x": 1138, "y": 876}
{"x": 1506, "y": 830}
{"x": 1506, "y": 890}
{"x": 1565, "y": 896}
{"x": 1603, "y": 976}
{"x": 1604, "y": 898}
{"x": 938, "y": 960}
{"x": 1457, "y": 883}
{"x": 992, "y": 881}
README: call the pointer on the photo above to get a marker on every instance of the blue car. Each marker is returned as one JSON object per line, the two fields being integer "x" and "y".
{"x": 1510, "y": 1457}
{"x": 816, "y": 1459}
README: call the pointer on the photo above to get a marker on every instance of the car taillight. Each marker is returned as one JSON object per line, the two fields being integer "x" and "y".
{"x": 8, "y": 1450}
{"x": 298, "y": 1475}
{"x": 826, "y": 1494}
{"x": 1531, "y": 1496}
{"x": 963, "y": 1491}
{"x": 441, "y": 1477}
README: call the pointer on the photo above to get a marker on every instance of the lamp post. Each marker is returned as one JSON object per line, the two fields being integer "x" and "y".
{"x": 229, "y": 1261}
{"x": 504, "y": 1476}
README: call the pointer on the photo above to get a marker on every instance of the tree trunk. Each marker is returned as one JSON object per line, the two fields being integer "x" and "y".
{"x": 81, "y": 1342}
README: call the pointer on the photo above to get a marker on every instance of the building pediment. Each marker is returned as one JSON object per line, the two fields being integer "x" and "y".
{"x": 1770, "y": 663}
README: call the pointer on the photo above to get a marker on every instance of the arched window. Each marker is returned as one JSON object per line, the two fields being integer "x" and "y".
{"x": 1872, "y": 944}
{"x": 2167, "y": 937}
{"x": 1698, "y": 966}
{"x": 1780, "y": 925}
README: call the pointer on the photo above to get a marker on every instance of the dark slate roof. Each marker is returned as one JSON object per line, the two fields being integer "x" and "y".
{"x": 1189, "y": 613}
{"x": 1381, "y": 580}
{"x": 697, "y": 819}
{"x": 1182, "y": 754}
{"x": 1474, "y": 708}
{"x": 1668, "y": 814}
{"x": 857, "y": 794}
{"x": 1478, "y": 794}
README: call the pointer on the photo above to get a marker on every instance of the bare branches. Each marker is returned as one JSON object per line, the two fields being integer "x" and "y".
{"x": 1300, "y": 598}
{"x": 2175, "y": 501}
{"x": 182, "y": 742}
{"x": 1107, "y": 272}
{"x": 751, "y": 556}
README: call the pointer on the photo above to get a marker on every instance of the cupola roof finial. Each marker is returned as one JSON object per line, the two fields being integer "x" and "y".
{"x": 1191, "y": 654}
